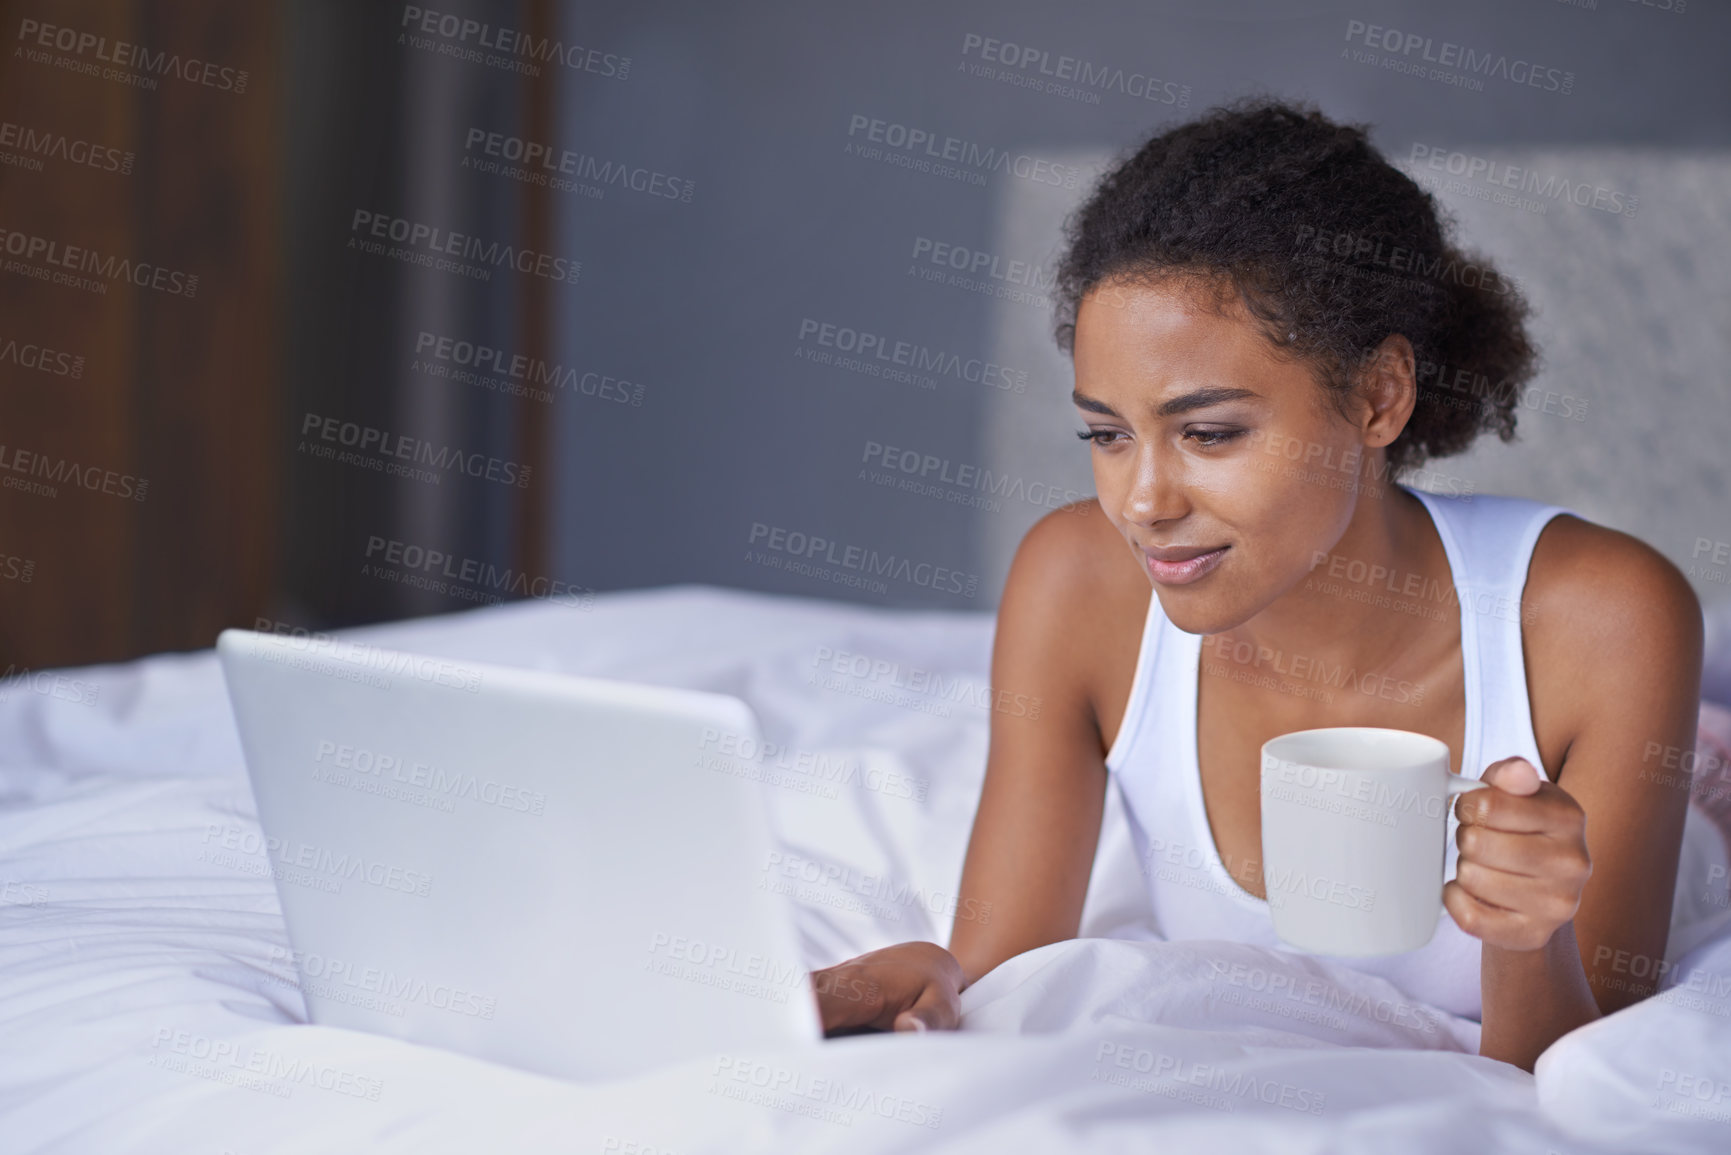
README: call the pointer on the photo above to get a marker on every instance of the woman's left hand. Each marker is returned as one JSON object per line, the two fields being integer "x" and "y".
{"x": 1523, "y": 858}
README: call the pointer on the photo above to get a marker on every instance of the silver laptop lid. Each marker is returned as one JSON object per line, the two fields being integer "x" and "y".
{"x": 553, "y": 872}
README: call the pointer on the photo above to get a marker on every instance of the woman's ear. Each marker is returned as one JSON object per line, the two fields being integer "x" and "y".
{"x": 1387, "y": 390}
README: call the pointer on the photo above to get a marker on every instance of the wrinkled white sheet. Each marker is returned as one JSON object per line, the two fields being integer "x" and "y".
{"x": 145, "y": 1003}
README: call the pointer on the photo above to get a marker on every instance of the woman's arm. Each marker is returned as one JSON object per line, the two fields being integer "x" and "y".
{"x": 1570, "y": 885}
{"x": 1038, "y": 824}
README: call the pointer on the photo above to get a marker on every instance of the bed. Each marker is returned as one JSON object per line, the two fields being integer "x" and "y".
{"x": 148, "y": 1001}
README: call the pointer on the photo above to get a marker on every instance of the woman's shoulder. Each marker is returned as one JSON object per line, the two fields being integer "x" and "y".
{"x": 1606, "y": 619}
{"x": 1074, "y": 606}
{"x": 1075, "y": 551}
{"x": 1583, "y": 575}
{"x": 1577, "y": 569}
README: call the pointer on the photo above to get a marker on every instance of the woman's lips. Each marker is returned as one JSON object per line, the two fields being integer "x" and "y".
{"x": 1178, "y": 573}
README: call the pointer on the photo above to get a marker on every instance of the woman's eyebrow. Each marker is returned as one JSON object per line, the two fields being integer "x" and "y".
{"x": 1184, "y": 403}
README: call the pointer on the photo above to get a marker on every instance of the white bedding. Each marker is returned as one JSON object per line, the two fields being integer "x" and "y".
{"x": 147, "y": 1004}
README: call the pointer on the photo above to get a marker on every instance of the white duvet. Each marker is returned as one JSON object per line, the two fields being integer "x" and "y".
{"x": 147, "y": 1002}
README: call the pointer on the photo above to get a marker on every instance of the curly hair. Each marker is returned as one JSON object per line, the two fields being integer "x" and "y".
{"x": 1330, "y": 248}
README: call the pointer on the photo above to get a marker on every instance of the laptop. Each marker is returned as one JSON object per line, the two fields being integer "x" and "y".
{"x": 558, "y": 873}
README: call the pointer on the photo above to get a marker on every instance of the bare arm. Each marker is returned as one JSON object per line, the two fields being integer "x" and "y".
{"x": 1038, "y": 824}
{"x": 1570, "y": 887}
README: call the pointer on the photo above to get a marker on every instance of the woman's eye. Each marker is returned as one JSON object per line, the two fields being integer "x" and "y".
{"x": 1211, "y": 437}
{"x": 1098, "y": 436}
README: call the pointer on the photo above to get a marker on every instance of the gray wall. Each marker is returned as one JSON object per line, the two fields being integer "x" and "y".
{"x": 702, "y": 303}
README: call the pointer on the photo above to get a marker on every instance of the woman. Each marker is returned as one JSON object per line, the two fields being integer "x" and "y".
{"x": 1268, "y": 324}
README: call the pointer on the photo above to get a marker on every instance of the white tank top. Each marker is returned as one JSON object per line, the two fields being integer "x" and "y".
{"x": 1489, "y": 541}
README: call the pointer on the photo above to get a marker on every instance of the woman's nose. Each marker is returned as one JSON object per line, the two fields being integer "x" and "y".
{"x": 1156, "y": 490}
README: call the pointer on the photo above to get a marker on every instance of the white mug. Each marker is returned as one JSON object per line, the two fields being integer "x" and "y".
{"x": 1354, "y": 830}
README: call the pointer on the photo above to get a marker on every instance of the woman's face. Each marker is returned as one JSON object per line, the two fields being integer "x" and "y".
{"x": 1206, "y": 442}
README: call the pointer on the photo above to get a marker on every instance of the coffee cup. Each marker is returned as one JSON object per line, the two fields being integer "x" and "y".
{"x": 1354, "y": 837}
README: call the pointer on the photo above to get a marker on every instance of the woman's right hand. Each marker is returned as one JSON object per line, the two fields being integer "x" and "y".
{"x": 911, "y": 986}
